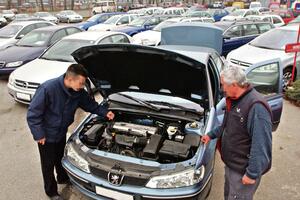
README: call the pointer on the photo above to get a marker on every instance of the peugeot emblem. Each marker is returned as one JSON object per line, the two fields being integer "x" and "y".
{"x": 115, "y": 179}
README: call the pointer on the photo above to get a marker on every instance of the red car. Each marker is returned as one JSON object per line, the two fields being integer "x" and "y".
{"x": 286, "y": 15}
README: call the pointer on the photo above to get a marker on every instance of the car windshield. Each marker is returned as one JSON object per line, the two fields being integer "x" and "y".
{"x": 275, "y": 39}
{"x": 20, "y": 16}
{"x": 35, "y": 39}
{"x": 44, "y": 14}
{"x": 112, "y": 20}
{"x": 62, "y": 50}
{"x": 237, "y": 13}
{"x": 94, "y": 18}
{"x": 138, "y": 22}
{"x": 9, "y": 31}
{"x": 70, "y": 13}
{"x": 162, "y": 25}
{"x": 7, "y": 12}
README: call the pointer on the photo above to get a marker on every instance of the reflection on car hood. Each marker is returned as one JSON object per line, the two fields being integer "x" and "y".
{"x": 153, "y": 36}
{"x": 145, "y": 69}
{"x": 16, "y": 53}
{"x": 46, "y": 69}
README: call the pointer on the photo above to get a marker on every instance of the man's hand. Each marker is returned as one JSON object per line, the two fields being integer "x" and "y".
{"x": 247, "y": 181}
{"x": 42, "y": 141}
{"x": 205, "y": 139}
{"x": 110, "y": 115}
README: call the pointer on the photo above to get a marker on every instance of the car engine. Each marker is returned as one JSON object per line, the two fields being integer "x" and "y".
{"x": 149, "y": 138}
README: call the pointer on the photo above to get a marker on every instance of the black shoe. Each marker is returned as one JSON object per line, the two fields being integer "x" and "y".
{"x": 56, "y": 197}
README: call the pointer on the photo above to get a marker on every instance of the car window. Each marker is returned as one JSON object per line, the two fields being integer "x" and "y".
{"x": 41, "y": 25}
{"x": 104, "y": 18}
{"x": 71, "y": 31}
{"x": 106, "y": 40}
{"x": 248, "y": 13}
{"x": 265, "y": 79}
{"x": 264, "y": 27}
{"x": 119, "y": 39}
{"x": 123, "y": 20}
{"x": 57, "y": 36}
{"x": 235, "y": 31}
{"x": 132, "y": 17}
{"x": 267, "y": 19}
{"x": 26, "y": 30}
{"x": 152, "y": 21}
{"x": 276, "y": 20}
{"x": 250, "y": 29}
{"x": 218, "y": 62}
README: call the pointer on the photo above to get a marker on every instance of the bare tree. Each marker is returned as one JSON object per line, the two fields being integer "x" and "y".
{"x": 65, "y": 4}
{"x": 8, "y": 4}
{"x": 72, "y": 4}
{"x": 42, "y": 5}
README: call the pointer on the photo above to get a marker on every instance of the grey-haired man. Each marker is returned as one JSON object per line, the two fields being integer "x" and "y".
{"x": 246, "y": 136}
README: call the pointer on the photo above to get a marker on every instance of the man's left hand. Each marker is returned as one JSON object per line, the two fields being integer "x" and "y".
{"x": 110, "y": 115}
{"x": 247, "y": 181}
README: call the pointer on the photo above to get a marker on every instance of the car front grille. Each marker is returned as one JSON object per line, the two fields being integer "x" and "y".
{"x": 127, "y": 180}
{"x": 241, "y": 63}
{"x": 2, "y": 64}
{"x": 26, "y": 85}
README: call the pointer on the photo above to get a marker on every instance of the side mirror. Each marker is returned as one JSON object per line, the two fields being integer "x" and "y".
{"x": 226, "y": 37}
{"x": 20, "y": 36}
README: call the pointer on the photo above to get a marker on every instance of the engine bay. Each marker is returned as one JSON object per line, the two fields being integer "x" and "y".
{"x": 146, "y": 137}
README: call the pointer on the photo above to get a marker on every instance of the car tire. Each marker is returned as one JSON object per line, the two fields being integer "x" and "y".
{"x": 68, "y": 21}
{"x": 287, "y": 75}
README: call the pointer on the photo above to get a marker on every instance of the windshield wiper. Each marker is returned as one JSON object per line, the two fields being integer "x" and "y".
{"x": 141, "y": 102}
{"x": 61, "y": 60}
{"x": 172, "y": 105}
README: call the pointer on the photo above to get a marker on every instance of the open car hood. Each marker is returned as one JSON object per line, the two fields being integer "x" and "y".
{"x": 193, "y": 34}
{"x": 143, "y": 69}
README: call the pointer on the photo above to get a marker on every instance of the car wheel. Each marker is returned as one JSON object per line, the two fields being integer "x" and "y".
{"x": 68, "y": 21}
{"x": 287, "y": 75}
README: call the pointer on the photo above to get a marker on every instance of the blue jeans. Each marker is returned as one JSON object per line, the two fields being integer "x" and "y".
{"x": 234, "y": 189}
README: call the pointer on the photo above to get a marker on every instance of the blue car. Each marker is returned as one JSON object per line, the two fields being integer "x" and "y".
{"x": 142, "y": 24}
{"x": 217, "y": 14}
{"x": 96, "y": 19}
{"x": 31, "y": 46}
{"x": 238, "y": 33}
{"x": 164, "y": 99}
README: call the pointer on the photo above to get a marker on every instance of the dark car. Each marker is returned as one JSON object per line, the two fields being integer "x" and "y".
{"x": 142, "y": 24}
{"x": 31, "y": 46}
{"x": 96, "y": 19}
{"x": 170, "y": 98}
{"x": 217, "y": 14}
{"x": 238, "y": 33}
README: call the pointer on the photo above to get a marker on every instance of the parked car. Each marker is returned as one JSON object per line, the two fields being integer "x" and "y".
{"x": 276, "y": 20}
{"x": 198, "y": 14}
{"x": 238, "y": 33}
{"x": 239, "y": 14}
{"x": 55, "y": 61}
{"x": 171, "y": 11}
{"x": 231, "y": 9}
{"x": 9, "y": 15}
{"x": 21, "y": 16}
{"x": 151, "y": 10}
{"x": 31, "y": 46}
{"x": 3, "y": 21}
{"x": 96, "y": 19}
{"x": 114, "y": 22}
{"x": 152, "y": 37}
{"x": 69, "y": 16}
{"x": 46, "y": 16}
{"x": 218, "y": 14}
{"x": 239, "y": 4}
{"x": 13, "y": 32}
{"x": 286, "y": 15}
{"x": 274, "y": 6}
{"x": 142, "y": 24}
{"x": 255, "y": 4}
{"x": 262, "y": 10}
{"x": 152, "y": 149}
{"x": 104, "y": 6}
{"x": 267, "y": 46}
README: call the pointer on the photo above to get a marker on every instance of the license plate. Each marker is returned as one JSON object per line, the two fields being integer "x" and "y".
{"x": 112, "y": 194}
{"x": 23, "y": 96}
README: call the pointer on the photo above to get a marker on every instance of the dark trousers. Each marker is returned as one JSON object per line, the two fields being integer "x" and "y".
{"x": 51, "y": 155}
{"x": 234, "y": 189}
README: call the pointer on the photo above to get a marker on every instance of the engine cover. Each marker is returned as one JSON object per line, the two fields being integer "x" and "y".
{"x": 134, "y": 129}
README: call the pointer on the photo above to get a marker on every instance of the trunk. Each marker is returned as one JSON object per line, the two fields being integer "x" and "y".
{"x": 42, "y": 5}
{"x": 51, "y": 5}
{"x": 37, "y": 5}
{"x": 19, "y": 6}
{"x": 145, "y": 137}
{"x": 8, "y": 4}
{"x": 65, "y": 4}
{"x": 72, "y": 4}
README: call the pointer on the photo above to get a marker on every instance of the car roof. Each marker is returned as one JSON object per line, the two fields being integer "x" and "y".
{"x": 226, "y": 24}
{"x": 54, "y": 28}
{"x": 91, "y": 35}
{"x": 25, "y": 23}
{"x": 292, "y": 27}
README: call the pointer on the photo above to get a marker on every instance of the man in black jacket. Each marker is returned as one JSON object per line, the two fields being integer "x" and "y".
{"x": 246, "y": 136}
{"x": 51, "y": 112}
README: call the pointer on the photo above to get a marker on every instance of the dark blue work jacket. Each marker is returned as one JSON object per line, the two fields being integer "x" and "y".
{"x": 53, "y": 107}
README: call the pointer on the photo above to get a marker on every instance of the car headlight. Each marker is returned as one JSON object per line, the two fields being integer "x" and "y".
{"x": 11, "y": 79}
{"x": 76, "y": 159}
{"x": 182, "y": 179}
{"x": 14, "y": 64}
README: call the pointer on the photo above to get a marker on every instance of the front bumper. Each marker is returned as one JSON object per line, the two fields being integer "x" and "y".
{"x": 7, "y": 70}
{"x": 20, "y": 95}
{"x": 87, "y": 184}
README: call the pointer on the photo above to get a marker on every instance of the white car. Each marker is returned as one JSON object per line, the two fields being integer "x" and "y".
{"x": 104, "y": 6}
{"x": 69, "y": 16}
{"x": 239, "y": 14}
{"x": 276, "y": 20}
{"x": 55, "y": 61}
{"x": 152, "y": 10}
{"x": 255, "y": 4}
{"x": 171, "y": 11}
{"x": 3, "y": 21}
{"x": 11, "y": 33}
{"x": 269, "y": 45}
{"x": 46, "y": 16}
{"x": 9, "y": 15}
{"x": 152, "y": 37}
{"x": 113, "y": 22}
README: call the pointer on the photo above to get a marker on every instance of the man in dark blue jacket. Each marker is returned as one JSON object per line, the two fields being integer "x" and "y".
{"x": 246, "y": 136}
{"x": 51, "y": 112}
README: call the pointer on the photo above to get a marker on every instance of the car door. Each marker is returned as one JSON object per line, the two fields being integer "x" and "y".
{"x": 232, "y": 38}
{"x": 250, "y": 31}
{"x": 266, "y": 78}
